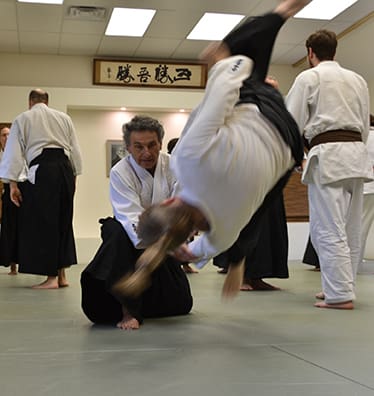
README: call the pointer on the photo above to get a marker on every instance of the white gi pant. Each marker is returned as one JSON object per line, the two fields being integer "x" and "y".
{"x": 367, "y": 221}
{"x": 335, "y": 228}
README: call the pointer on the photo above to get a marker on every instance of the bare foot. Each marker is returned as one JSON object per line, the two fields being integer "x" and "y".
{"x": 342, "y": 305}
{"x": 259, "y": 284}
{"x": 128, "y": 322}
{"x": 50, "y": 283}
{"x": 246, "y": 287}
{"x": 189, "y": 270}
{"x": 233, "y": 280}
{"x": 320, "y": 296}
{"x": 13, "y": 269}
{"x": 62, "y": 281}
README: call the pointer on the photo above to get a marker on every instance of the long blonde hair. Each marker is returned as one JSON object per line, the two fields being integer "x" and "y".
{"x": 162, "y": 228}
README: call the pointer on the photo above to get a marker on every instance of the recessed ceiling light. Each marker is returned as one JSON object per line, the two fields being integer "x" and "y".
{"x": 323, "y": 9}
{"x": 213, "y": 26}
{"x": 42, "y": 1}
{"x": 129, "y": 22}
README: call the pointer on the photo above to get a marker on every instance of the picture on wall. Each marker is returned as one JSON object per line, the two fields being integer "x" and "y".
{"x": 115, "y": 151}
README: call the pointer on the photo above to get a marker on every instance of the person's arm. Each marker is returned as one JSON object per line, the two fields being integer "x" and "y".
{"x": 297, "y": 100}
{"x": 13, "y": 160}
{"x": 366, "y": 115}
{"x": 183, "y": 254}
{"x": 126, "y": 203}
{"x": 75, "y": 152}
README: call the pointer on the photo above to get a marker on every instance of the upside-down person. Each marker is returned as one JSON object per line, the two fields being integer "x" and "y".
{"x": 235, "y": 154}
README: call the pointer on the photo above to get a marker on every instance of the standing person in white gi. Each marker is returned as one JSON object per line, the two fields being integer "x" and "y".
{"x": 45, "y": 138}
{"x": 368, "y": 206}
{"x": 141, "y": 178}
{"x": 331, "y": 106}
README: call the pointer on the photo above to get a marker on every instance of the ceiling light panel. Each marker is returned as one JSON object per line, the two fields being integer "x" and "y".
{"x": 129, "y": 22}
{"x": 324, "y": 9}
{"x": 213, "y": 26}
{"x": 42, "y": 1}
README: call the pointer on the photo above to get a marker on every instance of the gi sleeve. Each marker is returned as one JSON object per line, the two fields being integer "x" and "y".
{"x": 13, "y": 160}
{"x": 126, "y": 203}
{"x": 75, "y": 152}
{"x": 297, "y": 101}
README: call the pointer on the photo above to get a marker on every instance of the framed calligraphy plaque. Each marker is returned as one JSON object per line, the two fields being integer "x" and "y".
{"x": 161, "y": 74}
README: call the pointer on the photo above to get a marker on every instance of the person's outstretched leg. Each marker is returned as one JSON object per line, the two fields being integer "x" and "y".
{"x": 288, "y": 8}
{"x": 256, "y": 37}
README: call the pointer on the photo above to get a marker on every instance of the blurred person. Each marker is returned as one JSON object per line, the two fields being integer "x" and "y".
{"x": 266, "y": 253}
{"x": 234, "y": 157}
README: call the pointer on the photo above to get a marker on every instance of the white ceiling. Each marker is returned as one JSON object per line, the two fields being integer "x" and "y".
{"x": 47, "y": 29}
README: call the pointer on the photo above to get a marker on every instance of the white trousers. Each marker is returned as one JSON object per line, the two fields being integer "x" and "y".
{"x": 367, "y": 221}
{"x": 335, "y": 228}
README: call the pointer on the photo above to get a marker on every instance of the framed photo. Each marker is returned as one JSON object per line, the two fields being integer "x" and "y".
{"x": 115, "y": 151}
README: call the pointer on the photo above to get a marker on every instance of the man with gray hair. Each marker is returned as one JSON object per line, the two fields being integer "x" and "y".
{"x": 137, "y": 181}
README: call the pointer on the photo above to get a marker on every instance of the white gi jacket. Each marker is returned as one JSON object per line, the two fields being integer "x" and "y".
{"x": 50, "y": 128}
{"x": 369, "y": 187}
{"x": 321, "y": 101}
{"x": 227, "y": 158}
{"x": 133, "y": 189}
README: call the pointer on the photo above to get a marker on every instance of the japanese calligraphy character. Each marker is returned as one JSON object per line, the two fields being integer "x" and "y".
{"x": 183, "y": 74}
{"x": 124, "y": 74}
{"x": 143, "y": 74}
{"x": 162, "y": 75}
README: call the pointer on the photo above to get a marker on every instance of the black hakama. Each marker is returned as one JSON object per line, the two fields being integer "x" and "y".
{"x": 169, "y": 293}
{"x": 310, "y": 255}
{"x": 266, "y": 249}
{"x": 46, "y": 239}
{"x": 8, "y": 231}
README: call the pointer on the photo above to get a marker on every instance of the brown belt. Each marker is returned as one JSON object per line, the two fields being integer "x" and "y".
{"x": 338, "y": 135}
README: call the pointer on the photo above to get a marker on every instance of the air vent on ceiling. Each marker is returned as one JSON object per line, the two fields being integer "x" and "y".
{"x": 86, "y": 13}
